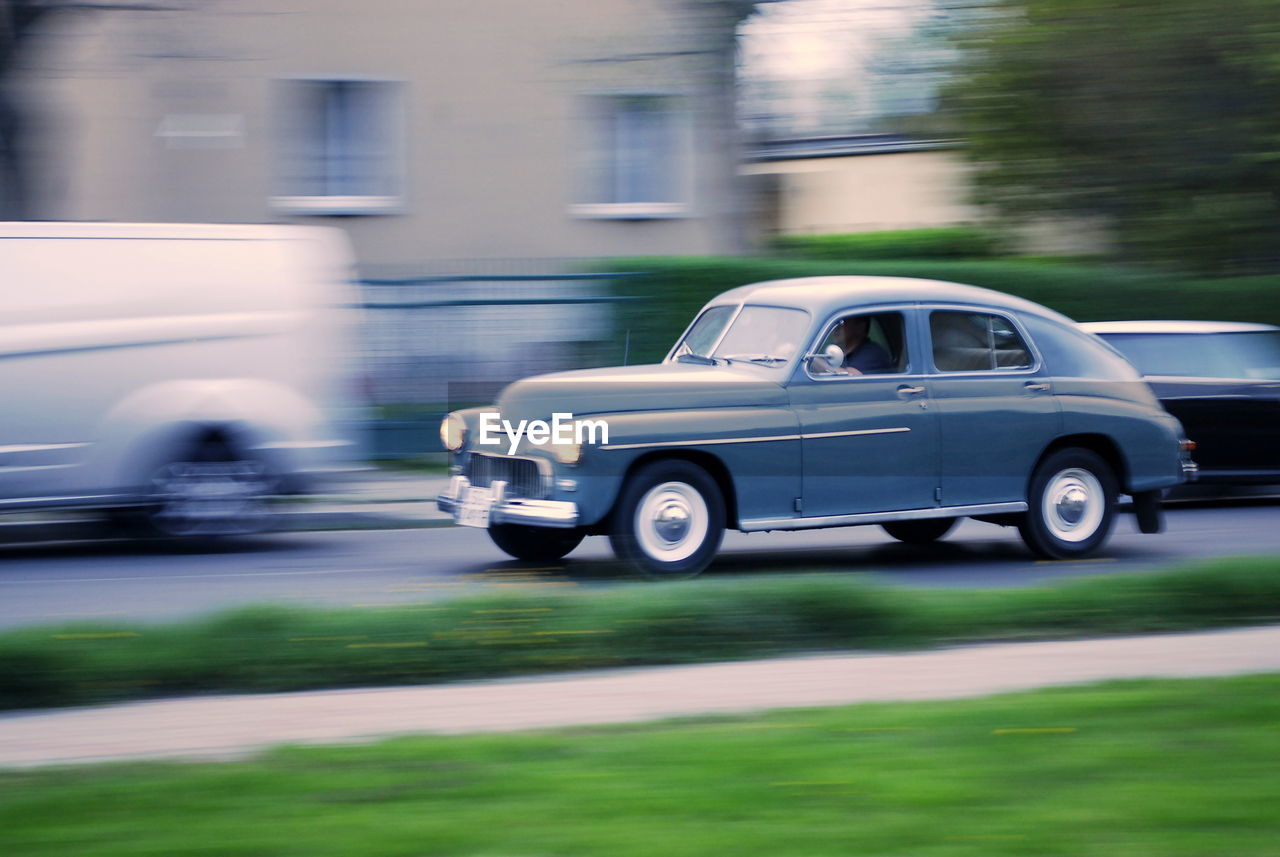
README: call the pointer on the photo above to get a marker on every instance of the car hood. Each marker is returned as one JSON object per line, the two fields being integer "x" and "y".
{"x": 663, "y": 386}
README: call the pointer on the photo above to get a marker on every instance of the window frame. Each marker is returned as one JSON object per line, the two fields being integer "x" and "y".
{"x": 346, "y": 204}
{"x": 927, "y": 311}
{"x": 733, "y": 316}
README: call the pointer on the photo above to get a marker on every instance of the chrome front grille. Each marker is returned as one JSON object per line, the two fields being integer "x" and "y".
{"x": 521, "y": 474}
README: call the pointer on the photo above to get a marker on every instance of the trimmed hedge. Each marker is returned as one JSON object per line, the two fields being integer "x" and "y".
{"x": 950, "y": 242}
{"x": 671, "y": 290}
{"x": 519, "y": 633}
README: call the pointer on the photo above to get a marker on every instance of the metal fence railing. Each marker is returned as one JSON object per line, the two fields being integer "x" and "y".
{"x": 432, "y": 343}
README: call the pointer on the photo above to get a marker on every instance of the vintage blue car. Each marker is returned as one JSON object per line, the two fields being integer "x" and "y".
{"x": 823, "y": 402}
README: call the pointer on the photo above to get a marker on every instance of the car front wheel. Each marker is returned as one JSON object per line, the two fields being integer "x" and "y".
{"x": 1071, "y": 505}
{"x": 669, "y": 520}
{"x": 539, "y": 544}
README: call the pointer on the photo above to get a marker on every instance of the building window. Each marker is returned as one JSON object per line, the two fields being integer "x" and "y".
{"x": 341, "y": 147}
{"x": 637, "y": 154}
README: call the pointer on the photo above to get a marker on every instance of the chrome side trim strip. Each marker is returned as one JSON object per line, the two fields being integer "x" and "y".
{"x": 36, "y": 502}
{"x": 35, "y": 468}
{"x": 38, "y": 447}
{"x": 760, "y": 524}
{"x": 773, "y": 438}
{"x": 708, "y": 442}
{"x": 852, "y": 433}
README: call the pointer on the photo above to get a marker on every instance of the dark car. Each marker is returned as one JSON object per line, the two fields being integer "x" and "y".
{"x": 1221, "y": 380}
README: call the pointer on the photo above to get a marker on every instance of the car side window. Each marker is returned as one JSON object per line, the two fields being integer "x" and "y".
{"x": 872, "y": 343}
{"x": 976, "y": 342}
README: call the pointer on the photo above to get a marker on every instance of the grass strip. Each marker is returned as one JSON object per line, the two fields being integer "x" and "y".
{"x": 1169, "y": 768}
{"x": 527, "y": 630}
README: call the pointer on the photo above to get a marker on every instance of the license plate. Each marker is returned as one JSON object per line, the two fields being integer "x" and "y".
{"x": 473, "y": 511}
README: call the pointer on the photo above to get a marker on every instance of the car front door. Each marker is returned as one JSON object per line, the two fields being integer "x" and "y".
{"x": 869, "y": 442}
{"x": 994, "y": 401}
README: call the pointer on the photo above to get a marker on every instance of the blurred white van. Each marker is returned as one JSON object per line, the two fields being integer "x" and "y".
{"x": 178, "y": 375}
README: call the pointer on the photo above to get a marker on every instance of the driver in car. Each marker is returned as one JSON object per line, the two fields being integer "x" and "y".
{"x": 861, "y": 355}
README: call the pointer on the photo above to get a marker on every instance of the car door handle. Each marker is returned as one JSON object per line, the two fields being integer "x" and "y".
{"x": 1036, "y": 387}
{"x": 907, "y": 390}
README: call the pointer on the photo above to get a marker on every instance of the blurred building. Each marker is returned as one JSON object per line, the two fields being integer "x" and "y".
{"x": 859, "y": 183}
{"x": 451, "y": 130}
{"x": 874, "y": 182}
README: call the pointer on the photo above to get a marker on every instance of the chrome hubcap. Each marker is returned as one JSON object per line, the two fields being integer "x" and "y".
{"x": 671, "y": 521}
{"x": 1073, "y": 505}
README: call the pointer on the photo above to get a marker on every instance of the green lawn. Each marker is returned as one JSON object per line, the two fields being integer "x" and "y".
{"x": 1126, "y": 769}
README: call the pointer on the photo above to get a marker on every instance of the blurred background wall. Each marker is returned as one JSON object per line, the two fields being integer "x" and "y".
{"x": 452, "y": 130}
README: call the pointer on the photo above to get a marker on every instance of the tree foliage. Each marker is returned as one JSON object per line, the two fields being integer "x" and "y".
{"x": 1156, "y": 116}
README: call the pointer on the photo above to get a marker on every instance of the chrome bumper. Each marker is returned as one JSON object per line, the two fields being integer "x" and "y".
{"x": 535, "y": 513}
{"x": 1190, "y": 470}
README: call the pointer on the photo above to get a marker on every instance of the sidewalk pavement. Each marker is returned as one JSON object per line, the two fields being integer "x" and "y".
{"x": 221, "y": 727}
{"x": 373, "y": 499}
{"x": 361, "y": 500}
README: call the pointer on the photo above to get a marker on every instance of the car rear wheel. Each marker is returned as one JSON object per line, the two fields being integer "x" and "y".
{"x": 669, "y": 520}
{"x": 1071, "y": 505}
{"x": 920, "y": 532}
{"x": 539, "y": 544}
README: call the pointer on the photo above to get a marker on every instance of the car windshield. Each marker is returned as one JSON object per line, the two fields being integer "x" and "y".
{"x": 763, "y": 335}
{"x": 702, "y": 337}
{"x": 1248, "y": 354}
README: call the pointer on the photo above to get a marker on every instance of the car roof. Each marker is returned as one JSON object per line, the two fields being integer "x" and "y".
{"x": 1161, "y": 326}
{"x": 825, "y": 295}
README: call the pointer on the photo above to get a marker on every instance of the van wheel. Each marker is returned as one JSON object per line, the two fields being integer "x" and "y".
{"x": 669, "y": 520}
{"x": 540, "y": 544}
{"x": 1071, "y": 505}
{"x": 210, "y": 492}
{"x": 921, "y": 532}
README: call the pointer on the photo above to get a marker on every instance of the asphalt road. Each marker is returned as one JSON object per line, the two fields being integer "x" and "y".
{"x": 73, "y": 580}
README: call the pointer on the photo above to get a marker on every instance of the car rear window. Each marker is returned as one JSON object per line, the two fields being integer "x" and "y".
{"x": 976, "y": 342}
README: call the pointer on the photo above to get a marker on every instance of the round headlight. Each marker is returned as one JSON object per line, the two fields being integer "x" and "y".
{"x": 453, "y": 432}
{"x": 567, "y": 453}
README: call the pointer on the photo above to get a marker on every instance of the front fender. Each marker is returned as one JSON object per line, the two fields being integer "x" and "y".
{"x": 756, "y": 449}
